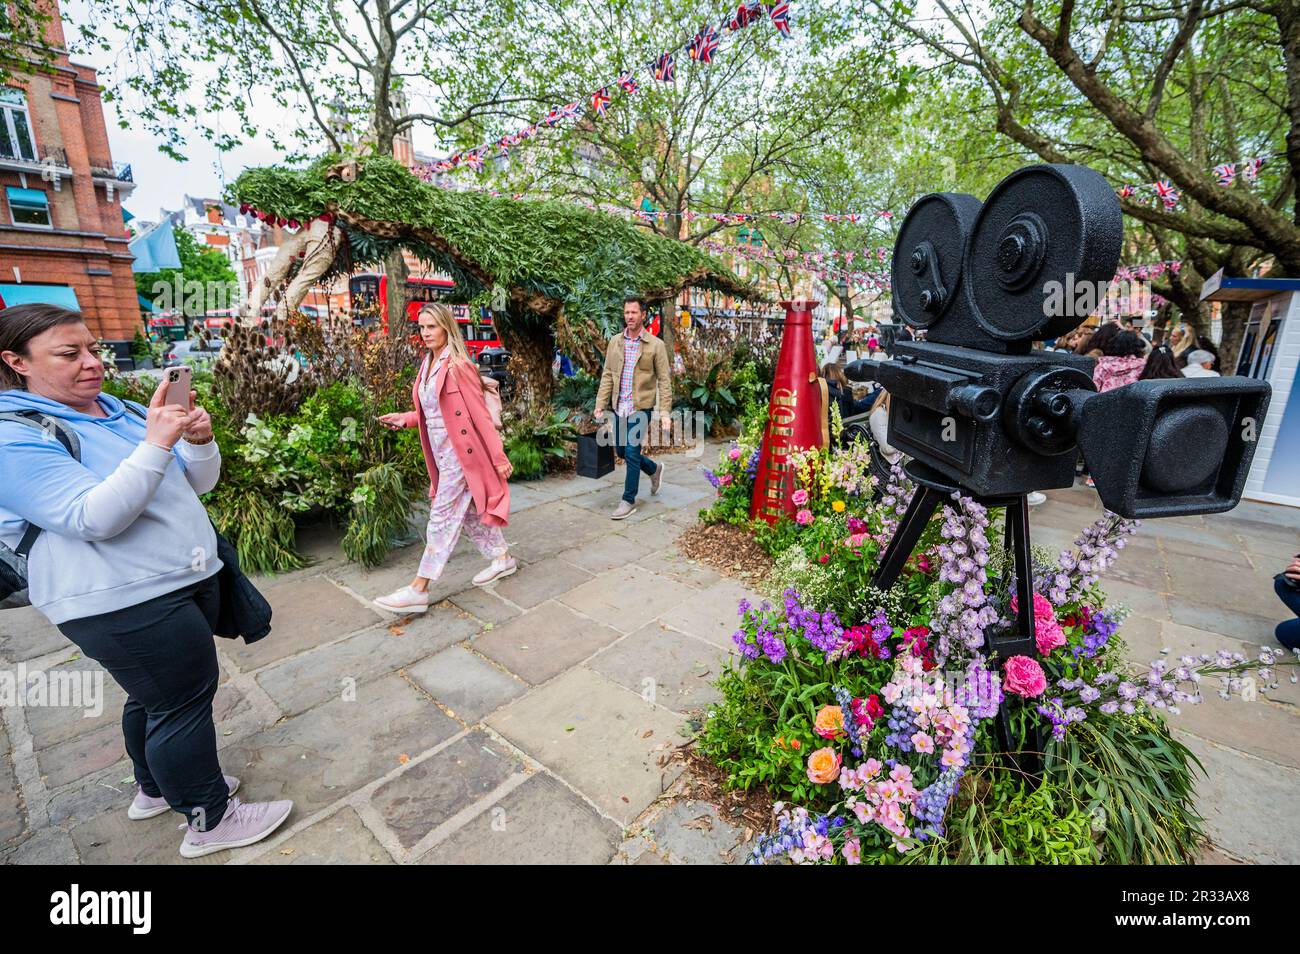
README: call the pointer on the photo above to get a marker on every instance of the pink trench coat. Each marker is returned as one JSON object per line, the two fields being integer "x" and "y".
{"x": 473, "y": 436}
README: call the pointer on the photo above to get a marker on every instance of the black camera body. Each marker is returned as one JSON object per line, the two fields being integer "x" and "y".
{"x": 978, "y": 404}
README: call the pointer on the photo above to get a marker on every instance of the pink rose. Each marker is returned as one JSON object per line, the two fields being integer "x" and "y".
{"x": 1047, "y": 631}
{"x": 734, "y": 453}
{"x": 803, "y": 517}
{"x": 799, "y": 497}
{"x": 725, "y": 480}
{"x": 1024, "y": 677}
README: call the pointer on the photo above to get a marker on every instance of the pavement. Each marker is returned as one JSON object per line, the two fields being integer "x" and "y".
{"x": 530, "y": 721}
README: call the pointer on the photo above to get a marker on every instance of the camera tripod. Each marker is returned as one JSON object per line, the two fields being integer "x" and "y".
{"x": 932, "y": 490}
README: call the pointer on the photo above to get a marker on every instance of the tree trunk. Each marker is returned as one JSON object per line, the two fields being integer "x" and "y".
{"x": 1235, "y": 316}
{"x": 532, "y": 350}
{"x": 395, "y": 268}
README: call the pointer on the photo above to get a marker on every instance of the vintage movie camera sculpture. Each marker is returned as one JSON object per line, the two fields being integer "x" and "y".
{"x": 980, "y": 411}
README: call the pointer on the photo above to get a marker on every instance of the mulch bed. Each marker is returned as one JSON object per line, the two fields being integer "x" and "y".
{"x": 704, "y": 781}
{"x": 728, "y": 549}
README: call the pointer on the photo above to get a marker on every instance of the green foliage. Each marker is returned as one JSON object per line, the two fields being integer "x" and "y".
{"x": 1137, "y": 780}
{"x": 204, "y": 282}
{"x": 541, "y": 248}
{"x": 534, "y": 440}
{"x": 1008, "y": 822}
{"x": 380, "y": 510}
{"x": 261, "y": 532}
{"x": 577, "y": 392}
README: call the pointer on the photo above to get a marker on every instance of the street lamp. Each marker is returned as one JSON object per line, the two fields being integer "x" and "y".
{"x": 846, "y": 303}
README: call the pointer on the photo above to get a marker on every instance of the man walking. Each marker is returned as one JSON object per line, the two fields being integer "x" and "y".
{"x": 634, "y": 382}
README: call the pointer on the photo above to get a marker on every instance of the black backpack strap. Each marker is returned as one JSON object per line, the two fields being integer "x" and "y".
{"x": 29, "y": 537}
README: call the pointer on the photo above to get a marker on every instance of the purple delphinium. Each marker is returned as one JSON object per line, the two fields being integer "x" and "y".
{"x": 1096, "y": 634}
{"x": 981, "y": 693}
{"x": 1098, "y": 547}
{"x": 711, "y": 477}
{"x": 845, "y": 702}
{"x": 962, "y": 615}
{"x": 932, "y": 801}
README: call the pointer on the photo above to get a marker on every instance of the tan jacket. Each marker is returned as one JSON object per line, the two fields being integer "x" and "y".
{"x": 652, "y": 384}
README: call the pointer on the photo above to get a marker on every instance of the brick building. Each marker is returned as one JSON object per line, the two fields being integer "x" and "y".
{"x": 62, "y": 237}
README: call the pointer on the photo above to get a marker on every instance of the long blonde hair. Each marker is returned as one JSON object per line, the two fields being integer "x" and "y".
{"x": 442, "y": 315}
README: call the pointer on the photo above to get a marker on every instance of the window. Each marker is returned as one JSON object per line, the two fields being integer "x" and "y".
{"x": 15, "y": 126}
{"x": 28, "y": 207}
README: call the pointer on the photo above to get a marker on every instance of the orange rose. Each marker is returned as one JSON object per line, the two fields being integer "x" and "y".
{"x": 830, "y": 722}
{"x": 824, "y": 766}
{"x": 796, "y": 744}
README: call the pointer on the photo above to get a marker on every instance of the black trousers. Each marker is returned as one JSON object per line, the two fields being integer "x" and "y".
{"x": 161, "y": 652}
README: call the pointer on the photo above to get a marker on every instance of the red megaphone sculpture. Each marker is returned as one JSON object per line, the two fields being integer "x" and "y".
{"x": 796, "y": 415}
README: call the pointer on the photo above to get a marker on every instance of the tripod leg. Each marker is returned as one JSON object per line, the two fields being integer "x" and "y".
{"x": 1028, "y": 763}
{"x": 919, "y": 510}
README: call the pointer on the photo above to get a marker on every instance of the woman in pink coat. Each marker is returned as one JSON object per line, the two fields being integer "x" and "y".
{"x": 467, "y": 464}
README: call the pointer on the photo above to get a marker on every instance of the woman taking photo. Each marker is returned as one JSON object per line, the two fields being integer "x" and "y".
{"x": 467, "y": 463}
{"x": 125, "y": 561}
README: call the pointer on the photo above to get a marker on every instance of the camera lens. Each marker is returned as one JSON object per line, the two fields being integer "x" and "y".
{"x": 1187, "y": 446}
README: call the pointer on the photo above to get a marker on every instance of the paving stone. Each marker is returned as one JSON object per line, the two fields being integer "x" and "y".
{"x": 664, "y": 666}
{"x": 598, "y": 736}
{"x": 1260, "y": 728}
{"x": 400, "y": 567}
{"x": 68, "y": 761}
{"x": 466, "y": 683}
{"x": 340, "y": 839}
{"x": 670, "y": 497}
{"x": 307, "y": 680}
{"x": 328, "y": 752}
{"x": 1212, "y": 856}
{"x": 539, "y": 823}
{"x": 562, "y": 488}
{"x": 1216, "y": 544}
{"x": 606, "y": 553}
{"x": 426, "y": 795}
{"x": 654, "y": 532}
{"x": 307, "y": 613}
{"x": 525, "y": 494}
{"x": 1225, "y": 618}
{"x": 670, "y": 563}
{"x": 691, "y": 832}
{"x": 25, "y": 633}
{"x": 627, "y": 598}
{"x": 49, "y": 846}
{"x": 1244, "y": 802}
{"x": 1206, "y": 581}
{"x": 1145, "y": 567}
{"x": 545, "y": 530}
{"x": 535, "y": 583}
{"x": 13, "y": 820}
{"x": 1269, "y": 553}
{"x": 543, "y": 643}
{"x": 485, "y": 605}
{"x": 50, "y": 724}
{"x": 711, "y": 614}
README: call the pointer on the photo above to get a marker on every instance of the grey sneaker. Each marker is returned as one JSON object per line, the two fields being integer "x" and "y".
{"x": 656, "y": 479}
{"x": 147, "y": 807}
{"x": 623, "y": 511}
{"x": 243, "y": 824}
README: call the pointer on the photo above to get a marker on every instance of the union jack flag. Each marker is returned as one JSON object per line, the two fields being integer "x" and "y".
{"x": 781, "y": 18}
{"x": 746, "y": 14}
{"x": 1250, "y": 169}
{"x": 628, "y": 84}
{"x": 474, "y": 158}
{"x": 570, "y": 111}
{"x": 1226, "y": 173}
{"x": 600, "y": 101}
{"x": 1167, "y": 192}
{"x": 663, "y": 67}
{"x": 704, "y": 44}
{"x": 551, "y": 118}
{"x": 1125, "y": 191}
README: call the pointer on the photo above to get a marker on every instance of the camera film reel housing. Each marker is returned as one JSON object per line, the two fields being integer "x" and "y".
{"x": 978, "y": 404}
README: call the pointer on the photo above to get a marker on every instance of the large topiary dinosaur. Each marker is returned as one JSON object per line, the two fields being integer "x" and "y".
{"x": 560, "y": 271}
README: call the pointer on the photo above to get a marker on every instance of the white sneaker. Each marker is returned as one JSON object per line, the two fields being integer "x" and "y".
{"x": 1036, "y": 497}
{"x": 406, "y": 600}
{"x": 501, "y": 566}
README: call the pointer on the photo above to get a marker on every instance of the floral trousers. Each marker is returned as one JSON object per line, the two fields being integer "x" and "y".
{"x": 452, "y": 510}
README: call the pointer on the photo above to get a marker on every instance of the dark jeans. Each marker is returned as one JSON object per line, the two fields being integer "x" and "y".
{"x": 1288, "y": 631}
{"x": 629, "y": 435}
{"x": 161, "y": 652}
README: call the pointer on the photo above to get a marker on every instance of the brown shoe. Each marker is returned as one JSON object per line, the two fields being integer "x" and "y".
{"x": 623, "y": 511}
{"x": 656, "y": 479}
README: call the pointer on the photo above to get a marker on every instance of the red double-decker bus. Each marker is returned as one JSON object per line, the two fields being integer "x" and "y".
{"x": 368, "y": 293}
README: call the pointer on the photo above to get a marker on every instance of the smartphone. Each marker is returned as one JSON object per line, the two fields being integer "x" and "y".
{"x": 178, "y": 386}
